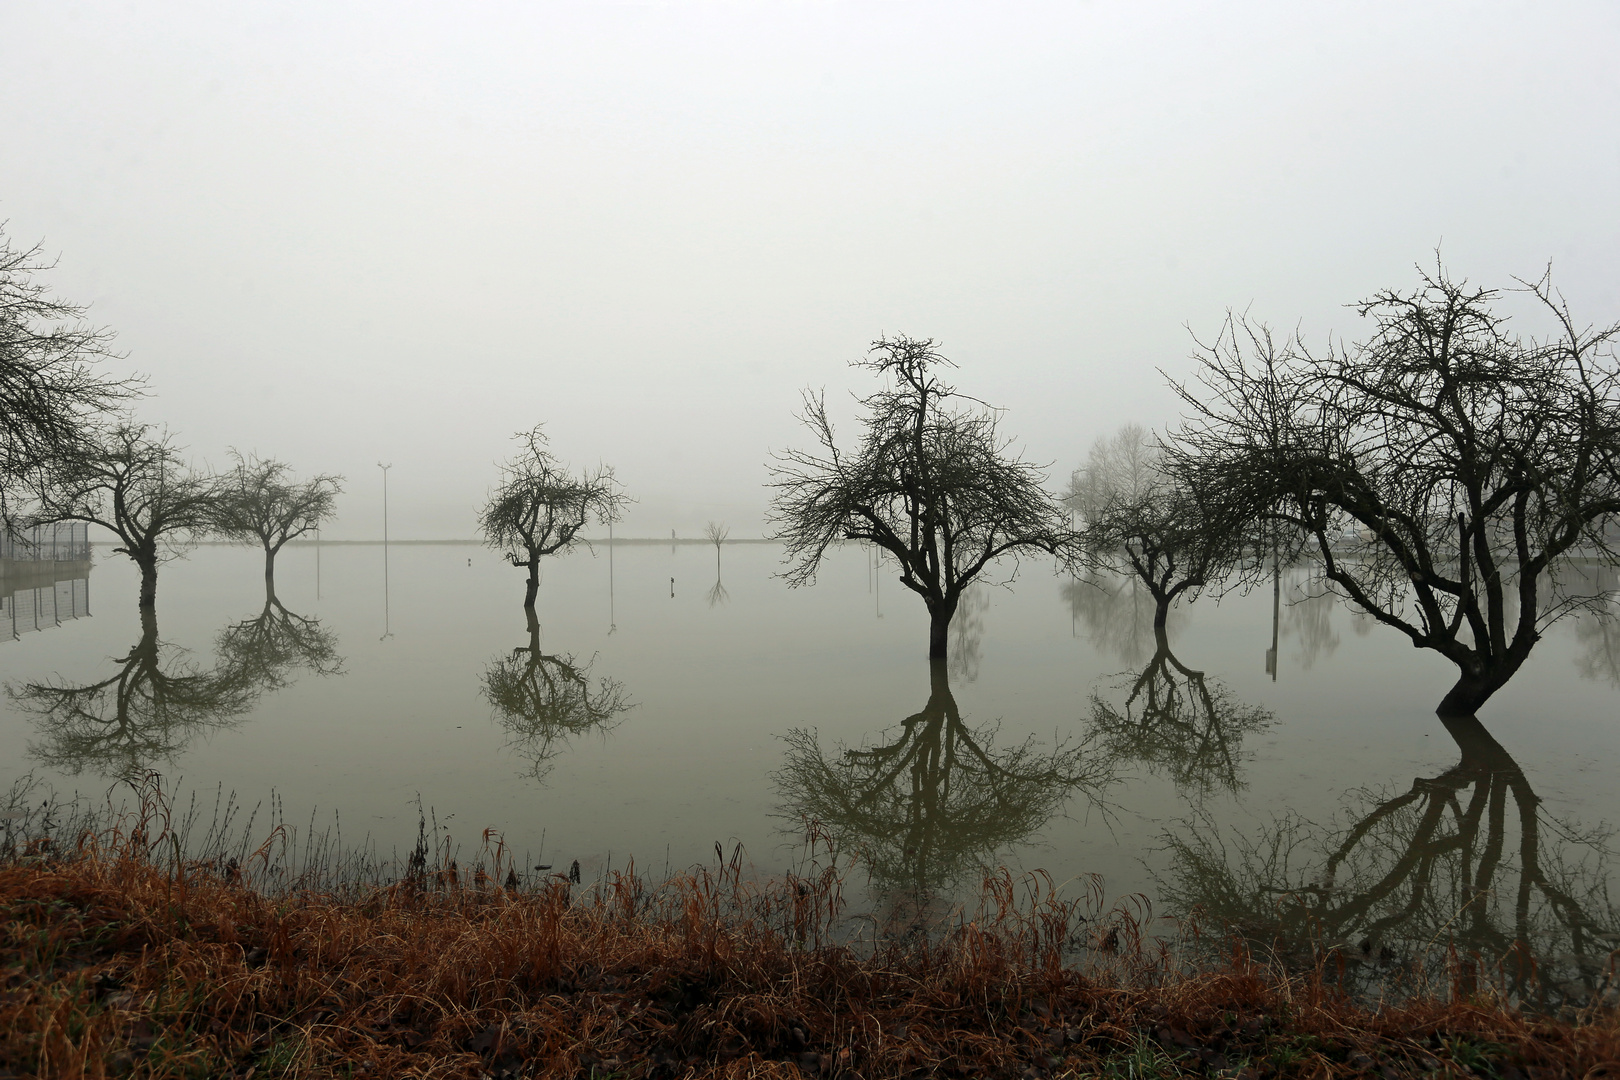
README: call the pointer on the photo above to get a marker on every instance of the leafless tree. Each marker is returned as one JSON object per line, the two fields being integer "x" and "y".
{"x": 539, "y": 507}
{"x": 129, "y": 479}
{"x": 50, "y": 387}
{"x": 1174, "y": 538}
{"x": 716, "y": 533}
{"x": 933, "y": 482}
{"x": 1439, "y": 468}
{"x": 261, "y": 500}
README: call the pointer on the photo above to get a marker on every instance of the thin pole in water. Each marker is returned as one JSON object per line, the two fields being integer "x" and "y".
{"x": 387, "y": 632}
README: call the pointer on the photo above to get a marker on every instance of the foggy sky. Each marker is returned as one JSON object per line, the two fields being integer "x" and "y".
{"x": 347, "y": 233}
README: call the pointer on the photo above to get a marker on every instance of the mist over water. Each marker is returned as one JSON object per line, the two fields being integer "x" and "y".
{"x": 676, "y": 706}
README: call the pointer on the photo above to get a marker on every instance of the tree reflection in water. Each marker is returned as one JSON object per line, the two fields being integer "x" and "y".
{"x": 544, "y": 700}
{"x": 266, "y": 650}
{"x": 1406, "y": 879}
{"x": 157, "y": 701}
{"x": 930, "y": 807}
{"x": 1117, "y": 612}
{"x": 1178, "y": 723}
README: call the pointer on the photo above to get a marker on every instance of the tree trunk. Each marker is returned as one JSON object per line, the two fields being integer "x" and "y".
{"x": 939, "y": 625}
{"x": 1161, "y": 613}
{"x": 148, "y": 582}
{"x": 532, "y": 588}
{"x": 1472, "y": 691}
{"x": 269, "y": 571}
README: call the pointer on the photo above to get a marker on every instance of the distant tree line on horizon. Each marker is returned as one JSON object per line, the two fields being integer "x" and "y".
{"x": 1437, "y": 471}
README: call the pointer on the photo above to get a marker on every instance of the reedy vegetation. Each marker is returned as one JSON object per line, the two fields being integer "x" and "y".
{"x": 128, "y": 958}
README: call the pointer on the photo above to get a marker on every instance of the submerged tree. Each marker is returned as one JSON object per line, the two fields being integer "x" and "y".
{"x": 51, "y": 392}
{"x": 1460, "y": 865}
{"x": 936, "y": 801}
{"x": 1440, "y": 467}
{"x": 933, "y": 482}
{"x": 260, "y": 500}
{"x": 544, "y": 700}
{"x": 539, "y": 507}
{"x": 130, "y": 480}
{"x": 1171, "y": 535}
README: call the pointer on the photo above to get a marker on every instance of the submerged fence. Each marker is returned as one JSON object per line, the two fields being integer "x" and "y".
{"x": 44, "y": 577}
{"x": 67, "y": 541}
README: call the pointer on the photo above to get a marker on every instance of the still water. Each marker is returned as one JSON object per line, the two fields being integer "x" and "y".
{"x": 669, "y": 698}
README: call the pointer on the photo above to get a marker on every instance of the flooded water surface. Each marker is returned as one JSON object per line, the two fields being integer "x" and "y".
{"x": 666, "y": 698}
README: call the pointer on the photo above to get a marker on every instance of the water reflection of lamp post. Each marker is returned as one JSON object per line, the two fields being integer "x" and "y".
{"x": 387, "y": 633}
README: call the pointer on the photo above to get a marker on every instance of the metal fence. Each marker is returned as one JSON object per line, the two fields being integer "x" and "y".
{"x": 66, "y": 541}
{"x": 43, "y": 606}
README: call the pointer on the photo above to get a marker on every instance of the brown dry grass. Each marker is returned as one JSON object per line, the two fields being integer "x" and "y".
{"x": 115, "y": 964}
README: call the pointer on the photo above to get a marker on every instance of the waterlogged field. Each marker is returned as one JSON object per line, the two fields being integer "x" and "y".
{"x": 661, "y": 706}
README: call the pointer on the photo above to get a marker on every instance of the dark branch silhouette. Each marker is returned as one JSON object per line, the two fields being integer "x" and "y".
{"x": 147, "y": 711}
{"x": 260, "y": 500}
{"x": 933, "y": 483}
{"x": 130, "y": 480}
{"x": 1439, "y": 468}
{"x": 539, "y": 507}
{"x": 51, "y": 392}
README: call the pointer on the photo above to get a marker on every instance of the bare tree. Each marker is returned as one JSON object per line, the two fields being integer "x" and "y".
{"x": 50, "y": 389}
{"x": 539, "y": 506}
{"x": 716, "y": 533}
{"x": 1172, "y": 537}
{"x": 129, "y": 479}
{"x": 1440, "y": 468}
{"x": 933, "y": 482}
{"x": 260, "y": 500}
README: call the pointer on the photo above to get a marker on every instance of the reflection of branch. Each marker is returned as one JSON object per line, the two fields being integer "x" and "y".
{"x": 264, "y": 651}
{"x": 936, "y": 801}
{"x": 1117, "y": 612}
{"x": 1412, "y": 871}
{"x": 147, "y": 711}
{"x": 544, "y": 700}
{"x": 1599, "y": 635}
{"x": 1177, "y": 722}
{"x": 717, "y": 595}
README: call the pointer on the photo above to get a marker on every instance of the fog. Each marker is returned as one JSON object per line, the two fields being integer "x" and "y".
{"x": 346, "y": 234}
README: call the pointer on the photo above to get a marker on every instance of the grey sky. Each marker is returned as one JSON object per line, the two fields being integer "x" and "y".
{"x": 340, "y": 233}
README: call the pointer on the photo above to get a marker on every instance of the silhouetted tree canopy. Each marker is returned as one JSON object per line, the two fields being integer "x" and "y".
{"x": 933, "y": 482}
{"x": 1439, "y": 467}
{"x": 261, "y": 500}
{"x": 1130, "y": 502}
{"x": 539, "y": 507}
{"x": 128, "y": 478}
{"x": 50, "y": 387}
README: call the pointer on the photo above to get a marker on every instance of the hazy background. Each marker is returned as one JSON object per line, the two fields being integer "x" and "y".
{"x": 342, "y": 233}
